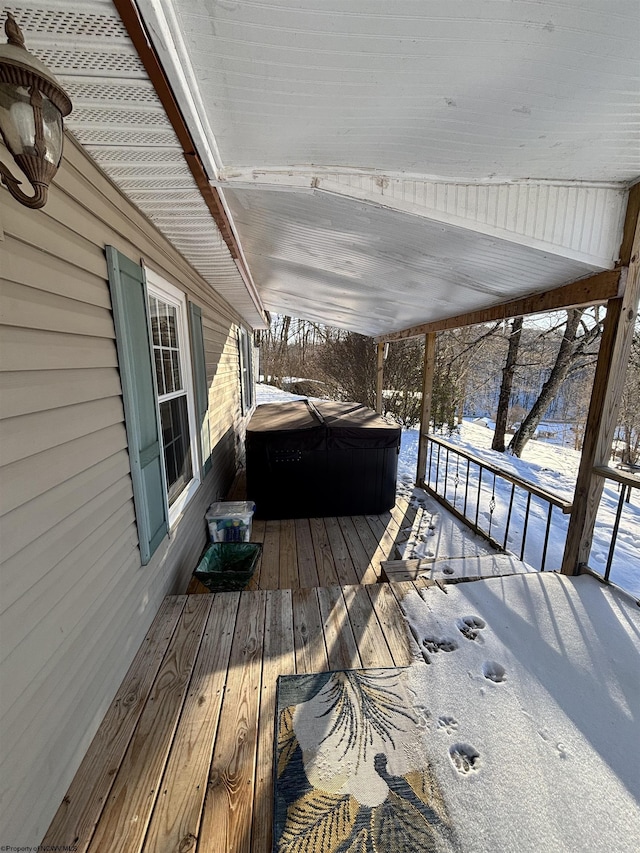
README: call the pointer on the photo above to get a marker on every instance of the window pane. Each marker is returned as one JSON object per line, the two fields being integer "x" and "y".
{"x": 177, "y": 383}
{"x": 169, "y": 386}
{"x": 166, "y": 319}
{"x": 159, "y": 376}
{"x": 153, "y": 314}
{"x": 171, "y": 327}
{"x": 177, "y": 447}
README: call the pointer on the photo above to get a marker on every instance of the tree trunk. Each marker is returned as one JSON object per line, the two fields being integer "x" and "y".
{"x": 505, "y": 387}
{"x": 549, "y": 389}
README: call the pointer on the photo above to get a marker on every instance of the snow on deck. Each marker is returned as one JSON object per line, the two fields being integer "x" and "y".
{"x": 533, "y": 710}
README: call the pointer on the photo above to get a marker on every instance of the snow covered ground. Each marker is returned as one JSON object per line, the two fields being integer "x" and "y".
{"x": 551, "y": 467}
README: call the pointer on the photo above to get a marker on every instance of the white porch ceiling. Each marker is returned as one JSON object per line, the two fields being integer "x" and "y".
{"x": 385, "y": 164}
{"x": 389, "y": 164}
{"x": 371, "y": 269}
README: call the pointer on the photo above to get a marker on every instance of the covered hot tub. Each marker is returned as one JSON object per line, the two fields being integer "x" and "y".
{"x": 322, "y": 459}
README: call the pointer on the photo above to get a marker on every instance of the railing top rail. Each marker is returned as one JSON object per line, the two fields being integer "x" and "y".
{"x": 565, "y": 506}
{"x": 619, "y": 475}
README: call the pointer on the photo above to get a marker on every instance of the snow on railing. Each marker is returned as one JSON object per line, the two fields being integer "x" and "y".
{"x": 512, "y": 514}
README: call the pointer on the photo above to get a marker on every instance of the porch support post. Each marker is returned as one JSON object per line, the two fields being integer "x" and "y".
{"x": 428, "y": 371}
{"x": 379, "y": 378}
{"x": 613, "y": 358}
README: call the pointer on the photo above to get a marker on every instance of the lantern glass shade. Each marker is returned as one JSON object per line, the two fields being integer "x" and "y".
{"x": 19, "y": 119}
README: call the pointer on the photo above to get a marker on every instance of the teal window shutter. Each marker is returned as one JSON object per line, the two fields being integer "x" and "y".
{"x": 200, "y": 381}
{"x": 131, "y": 318}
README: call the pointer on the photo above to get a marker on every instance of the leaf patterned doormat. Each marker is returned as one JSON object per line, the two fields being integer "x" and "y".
{"x": 351, "y": 768}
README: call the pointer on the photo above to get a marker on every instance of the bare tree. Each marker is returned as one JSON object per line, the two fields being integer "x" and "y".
{"x": 349, "y": 363}
{"x": 505, "y": 387}
{"x": 574, "y": 351}
{"x": 629, "y": 416}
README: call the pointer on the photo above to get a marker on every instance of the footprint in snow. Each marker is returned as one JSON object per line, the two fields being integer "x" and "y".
{"x": 470, "y": 626}
{"x": 465, "y": 758}
{"x": 494, "y": 671}
{"x": 447, "y": 724}
{"x": 439, "y": 644}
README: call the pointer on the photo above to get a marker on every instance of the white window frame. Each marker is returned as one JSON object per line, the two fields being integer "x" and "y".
{"x": 247, "y": 381}
{"x": 161, "y": 289}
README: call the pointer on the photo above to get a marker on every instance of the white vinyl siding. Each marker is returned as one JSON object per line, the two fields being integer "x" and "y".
{"x": 75, "y": 600}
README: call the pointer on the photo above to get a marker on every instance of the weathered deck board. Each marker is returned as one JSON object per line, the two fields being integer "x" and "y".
{"x": 278, "y": 659}
{"x": 310, "y": 648}
{"x": 367, "y": 630}
{"x": 289, "y": 577}
{"x": 307, "y": 571}
{"x": 354, "y": 544}
{"x": 392, "y": 623}
{"x": 345, "y": 570}
{"x": 176, "y": 816}
{"x": 342, "y": 650}
{"x": 324, "y": 558}
{"x": 373, "y": 549}
{"x": 228, "y": 806}
{"x": 127, "y": 811}
{"x": 270, "y": 564}
{"x": 76, "y": 819}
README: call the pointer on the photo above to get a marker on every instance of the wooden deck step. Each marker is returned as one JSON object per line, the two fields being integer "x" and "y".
{"x": 403, "y": 570}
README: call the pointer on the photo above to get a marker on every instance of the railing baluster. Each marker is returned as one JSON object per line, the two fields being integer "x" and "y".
{"x": 446, "y": 473}
{"x": 478, "y": 495}
{"x": 456, "y": 480}
{"x": 438, "y": 467}
{"x": 430, "y": 461}
{"x": 614, "y": 534}
{"x": 492, "y": 503}
{"x": 506, "y": 530}
{"x": 546, "y": 538}
{"x": 526, "y": 524}
{"x": 466, "y": 489}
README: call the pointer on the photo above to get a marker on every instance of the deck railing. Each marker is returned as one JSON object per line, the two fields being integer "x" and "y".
{"x": 626, "y": 482}
{"x": 498, "y": 505}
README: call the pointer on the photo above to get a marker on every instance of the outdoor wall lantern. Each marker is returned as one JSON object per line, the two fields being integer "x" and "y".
{"x": 32, "y": 106}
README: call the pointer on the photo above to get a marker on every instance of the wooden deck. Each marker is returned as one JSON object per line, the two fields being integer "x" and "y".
{"x": 183, "y": 758}
{"x": 303, "y": 553}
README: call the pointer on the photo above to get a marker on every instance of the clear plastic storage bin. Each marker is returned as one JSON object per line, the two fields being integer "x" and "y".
{"x": 230, "y": 521}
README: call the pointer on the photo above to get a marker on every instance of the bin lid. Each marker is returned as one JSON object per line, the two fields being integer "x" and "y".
{"x": 230, "y": 509}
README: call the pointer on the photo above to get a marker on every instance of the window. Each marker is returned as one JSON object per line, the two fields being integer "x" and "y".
{"x": 164, "y": 428}
{"x": 245, "y": 351}
{"x": 174, "y": 388}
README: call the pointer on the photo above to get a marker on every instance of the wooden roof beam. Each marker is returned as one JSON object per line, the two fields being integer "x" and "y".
{"x": 594, "y": 290}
